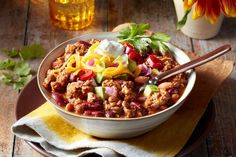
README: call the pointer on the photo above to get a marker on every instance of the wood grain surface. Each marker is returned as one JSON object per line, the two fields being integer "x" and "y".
{"x": 27, "y": 21}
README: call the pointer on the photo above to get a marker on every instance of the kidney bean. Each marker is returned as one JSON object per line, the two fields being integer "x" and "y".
{"x": 98, "y": 113}
{"x": 94, "y": 106}
{"x": 91, "y": 106}
{"x": 60, "y": 100}
{"x": 141, "y": 79}
{"x": 87, "y": 113}
{"x": 141, "y": 98}
{"x": 93, "y": 113}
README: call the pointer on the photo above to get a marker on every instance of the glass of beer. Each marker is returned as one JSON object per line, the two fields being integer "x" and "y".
{"x": 71, "y": 14}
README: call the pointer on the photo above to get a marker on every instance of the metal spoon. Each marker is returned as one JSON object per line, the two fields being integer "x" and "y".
{"x": 189, "y": 65}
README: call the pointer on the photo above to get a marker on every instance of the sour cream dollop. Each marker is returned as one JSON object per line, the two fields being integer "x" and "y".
{"x": 111, "y": 48}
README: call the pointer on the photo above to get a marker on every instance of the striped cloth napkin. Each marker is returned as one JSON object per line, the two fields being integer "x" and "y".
{"x": 46, "y": 127}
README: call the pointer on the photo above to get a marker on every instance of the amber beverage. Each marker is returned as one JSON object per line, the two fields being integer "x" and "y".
{"x": 71, "y": 14}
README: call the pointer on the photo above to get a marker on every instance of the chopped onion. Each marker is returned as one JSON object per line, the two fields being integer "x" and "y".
{"x": 110, "y": 91}
{"x": 114, "y": 65}
{"x": 145, "y": 70}
{"x": 91, "y": 62}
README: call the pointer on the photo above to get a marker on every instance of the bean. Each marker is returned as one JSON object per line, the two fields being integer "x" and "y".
{"x": 165, "y": 85}
{"x": 60, "y": 100}
{"x": 141, "y": 79}
{"x": 98, "y": 113}
{"x": 69, "y": 107}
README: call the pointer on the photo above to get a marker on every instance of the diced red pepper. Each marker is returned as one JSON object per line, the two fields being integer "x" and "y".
{"x": 86, "y": 74}
{"x": 154, "y": 62}
{"x": 133, "y": 54}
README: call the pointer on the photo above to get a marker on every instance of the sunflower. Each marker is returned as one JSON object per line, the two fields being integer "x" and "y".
{"x": 211, "y": 9}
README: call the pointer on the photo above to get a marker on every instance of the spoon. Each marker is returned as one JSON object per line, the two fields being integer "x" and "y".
{"x": 189, "y": 65}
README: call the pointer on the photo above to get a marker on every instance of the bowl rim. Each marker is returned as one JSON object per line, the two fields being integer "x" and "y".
{"x": 191, "y": 84}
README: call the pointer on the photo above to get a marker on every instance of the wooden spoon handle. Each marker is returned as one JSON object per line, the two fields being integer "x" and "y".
{"x": 196, "y": 62}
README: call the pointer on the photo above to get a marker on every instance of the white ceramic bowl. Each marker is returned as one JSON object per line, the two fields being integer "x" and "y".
{"x": 112, "y": 128}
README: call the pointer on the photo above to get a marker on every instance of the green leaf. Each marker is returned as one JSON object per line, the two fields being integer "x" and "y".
{"x": 11, "y": 52}
{"x": 124, "y": 33}
{"x": 32, "y": 51}
{"x": 21, "y": 82}
{"x": 138, "y": 29}
{"x": 141, "y": 44}
{"x": 182, "y": 22}
{"x": 22, "y": 68}
{"x": 163, "y": 48}
{"x": 6, "y": 78}
{"x": 7, "y": 64}
{"x": 135, "y": 35}
{"x": 133, "y": 30}
{"x": 161, "y": 37}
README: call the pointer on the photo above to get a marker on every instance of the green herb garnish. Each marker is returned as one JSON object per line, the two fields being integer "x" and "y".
{"x": 17, "y": 72}
{"x": 135, "y": 35}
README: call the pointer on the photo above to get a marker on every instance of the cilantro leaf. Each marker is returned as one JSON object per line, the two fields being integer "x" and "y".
{"x": 22, "y": 68}
{"x": 21, "y": 82}
{"x": 11, "y": 52}
{"x": 124, "y": 33}
{"x": 7, "y": 78}
{"x": 135, "y": 35}
{"x": 138, "y": 29}
{"x": 161, "y": 37}
{"x": 142, "y": 43}
{"x": 32, "y": 52}
{"x": 18, "y": 74}
{"x": 7, "y": 64}
{"x": 133, "y": 30}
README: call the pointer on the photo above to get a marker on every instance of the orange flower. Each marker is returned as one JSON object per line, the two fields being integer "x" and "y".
{"x": 211, "y": 9}
{"x": 188, "y": 4}
{"x": 228, "y": 7}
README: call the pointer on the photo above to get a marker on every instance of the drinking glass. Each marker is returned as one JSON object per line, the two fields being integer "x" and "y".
{"x": 71, "y": 14}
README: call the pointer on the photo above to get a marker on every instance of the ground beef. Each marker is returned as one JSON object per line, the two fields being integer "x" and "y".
{"x": 82, "y": 47}
{"x": 169, "y": 63}
{"x": 61, "y": 82}
{"x": 58, "y": 62}
{"x": 156, "y": 100}
{"x": 49, "y": 78}
{"x": 79, "y": 89}
{"x": 69, "y": 50}
{"x": 118, "y": 104}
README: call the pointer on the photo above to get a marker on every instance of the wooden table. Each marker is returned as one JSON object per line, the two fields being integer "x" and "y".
{"x": 24, "y": 22}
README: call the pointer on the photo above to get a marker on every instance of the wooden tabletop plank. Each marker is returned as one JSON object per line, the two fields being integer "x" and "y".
{"x": 12, "y": 26}
{"x": 40, "y": 30}
{"x": 222, "y": 138}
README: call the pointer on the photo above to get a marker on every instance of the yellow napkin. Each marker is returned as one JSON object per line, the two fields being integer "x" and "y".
{"x": 56, "y": 136}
